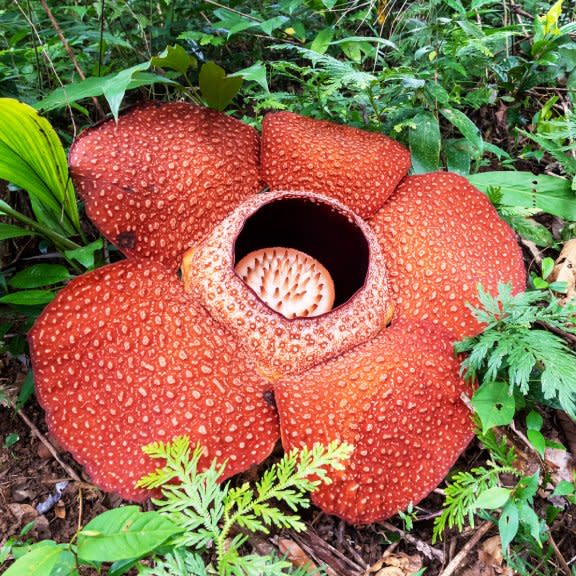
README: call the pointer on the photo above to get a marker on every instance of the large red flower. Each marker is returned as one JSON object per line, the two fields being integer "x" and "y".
{"x": 322, "y": 309}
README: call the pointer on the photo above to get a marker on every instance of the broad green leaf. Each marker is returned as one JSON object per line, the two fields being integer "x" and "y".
{"x": 45, "y": 560}
{"x": 508, "y": 524}
{"x": 537, "y": 440}
{"x": 529, "y": 229}
{"x": 424, "y": 142}
{"x": 26, "y": 390}
{"x": 217, "y": 89}
{"x": 547, "y": 268}
{"x": 95, "y": 86}
{"x": 466, "y": 127}
{"x": 255, "y": 73}
{"x": 493, "y": 498}
{"x": 32, "y": 158}
{"x": 534, "y": 421}
{"x": 8, "y": 231}
{"x": 530, "y": 519}
{"x": 175, "y": 58}
{"x": 564, "y": 488}
{"x": 322, "y": 41}
{"x": 28, "y": 297}
{"x": 365, "y": 39}
{"x": 115, "y": 88}
{"x": 86, "y": 255}
{"x": 456, "y": 5}
{"x": 494, "y": 405}
{"x": 268, "y": 26}
{"x": 458, "y": 155}
{"x": 549, "y": 194}
{"x": 39, "y": 275}
{"x": 124, "y": 533}
{"x": 528, "y": 487}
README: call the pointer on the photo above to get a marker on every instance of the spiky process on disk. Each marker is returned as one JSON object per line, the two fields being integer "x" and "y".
{"x": 359, "y": 168}
{"x": 163, "y": 176}
{"x": 123, "y": 358}
{"x": 442, "y": 237}
{"x": 289, "y": 281}
{"x": 396, "y": 400}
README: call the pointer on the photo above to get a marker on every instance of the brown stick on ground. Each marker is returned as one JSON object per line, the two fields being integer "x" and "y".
{"x": 461, "y": 556}
{"x": 46, "y": 443}
{"x": 69, "y": 51}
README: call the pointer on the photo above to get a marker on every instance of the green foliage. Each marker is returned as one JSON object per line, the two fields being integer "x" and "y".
{"x": 516, "y": 346}
{"x": 32, "y": 158}
{"x": 199, "y": 526}
{"x": 209, "y": 512}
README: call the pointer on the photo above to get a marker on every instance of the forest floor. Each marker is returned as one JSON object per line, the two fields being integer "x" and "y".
{"x": 32, "y": 470}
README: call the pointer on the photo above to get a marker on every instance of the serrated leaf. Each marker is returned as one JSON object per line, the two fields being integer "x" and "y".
{"x": 528, "y": 228}
{"x": 493, "y": 498}
{"x": 508, "y": 524}
{"x": 494, "y": 404}
{"x": 124, "y": 533}
{"x": 424, "y": 141}
{"x": 217, "y": 89}
{"x": 8, "y": 231}
{"x": 39, "y": 275}
{"x": 28, "y": 297}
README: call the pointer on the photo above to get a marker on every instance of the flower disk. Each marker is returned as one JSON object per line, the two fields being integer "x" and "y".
{"x": 123, "y": 358}
{"x": 359, "y": 168}
{"x": 289, "y": 281}
{"x": 163, "y": 176}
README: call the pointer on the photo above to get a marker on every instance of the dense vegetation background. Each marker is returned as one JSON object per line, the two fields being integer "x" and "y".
{"x": 484, "y": 88}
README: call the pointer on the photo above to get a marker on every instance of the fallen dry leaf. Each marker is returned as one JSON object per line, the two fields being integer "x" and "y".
{"x": 490, "y": 560}
{"x": 396, "y": 564}
{"x": 296, "y": 555}
{"x": 565, "y": 269}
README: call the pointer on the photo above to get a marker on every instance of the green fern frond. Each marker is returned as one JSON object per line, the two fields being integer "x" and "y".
{"x": 516, "y": 344}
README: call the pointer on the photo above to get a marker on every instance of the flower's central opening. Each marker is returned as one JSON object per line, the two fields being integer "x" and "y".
{"x": 302, "y": 256}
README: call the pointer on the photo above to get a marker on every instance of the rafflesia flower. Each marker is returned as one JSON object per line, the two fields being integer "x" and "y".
{"x": 322, "y": 309}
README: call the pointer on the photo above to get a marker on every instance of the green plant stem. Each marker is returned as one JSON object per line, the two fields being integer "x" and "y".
{"x": 60, "y": 242}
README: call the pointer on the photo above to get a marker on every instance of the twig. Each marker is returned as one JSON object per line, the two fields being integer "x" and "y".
{"x": 559, "y": 556}
{"x": 460, "y": 557}
{"x": 421, "y": 546}
{"x": 570, "y": 338}
{"x": 48, "y": 445}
